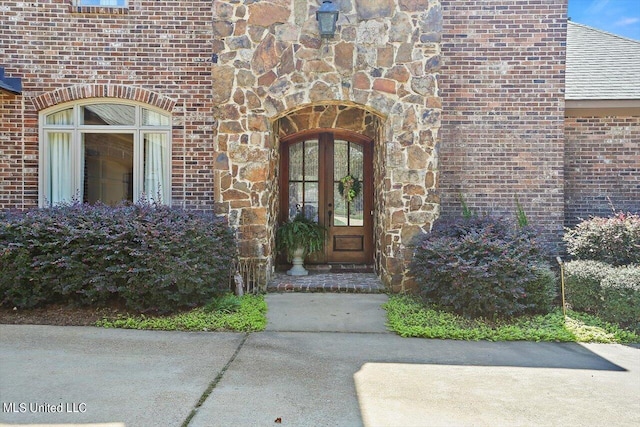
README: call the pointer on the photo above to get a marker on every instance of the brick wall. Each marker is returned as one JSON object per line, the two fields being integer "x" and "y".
{"x": 11, "y": 158}
{"x": 602, "y": 166}
{"x": 502, "y": 87}
{"x": 163, "y": 47}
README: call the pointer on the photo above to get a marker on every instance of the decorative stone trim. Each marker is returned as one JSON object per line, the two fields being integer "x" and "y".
{"x": 349, "y": 116}
{"x": 74, "y": 93}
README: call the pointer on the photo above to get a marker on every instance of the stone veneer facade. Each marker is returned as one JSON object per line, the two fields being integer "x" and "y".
{"x": 274, "y": 76}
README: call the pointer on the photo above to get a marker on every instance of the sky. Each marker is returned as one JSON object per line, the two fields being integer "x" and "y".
{"x": 621, "y": 17}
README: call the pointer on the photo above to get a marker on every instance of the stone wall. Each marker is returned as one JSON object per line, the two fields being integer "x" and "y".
{"x": 270, "y": 61}
{"x": 502, "y": 86}
{"x": 602, "y": 166}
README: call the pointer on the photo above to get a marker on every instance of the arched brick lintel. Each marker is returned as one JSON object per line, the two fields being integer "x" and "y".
{"x": 131, "y": 93}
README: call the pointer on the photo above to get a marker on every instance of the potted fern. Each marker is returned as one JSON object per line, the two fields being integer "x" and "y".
{"x": 299, "y": 237}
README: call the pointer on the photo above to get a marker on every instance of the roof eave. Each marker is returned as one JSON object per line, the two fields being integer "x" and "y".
{"x": 602, "y": 107}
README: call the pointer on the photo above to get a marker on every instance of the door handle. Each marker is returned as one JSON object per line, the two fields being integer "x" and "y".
{"x": 329, "y": 213}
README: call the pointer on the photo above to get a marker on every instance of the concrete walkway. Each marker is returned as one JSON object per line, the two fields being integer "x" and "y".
{"x": 325, "y": 360}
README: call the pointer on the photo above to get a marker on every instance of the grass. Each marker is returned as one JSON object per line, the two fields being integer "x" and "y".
{"x": 245, "y": 314}
{"x": 409, "y": 318}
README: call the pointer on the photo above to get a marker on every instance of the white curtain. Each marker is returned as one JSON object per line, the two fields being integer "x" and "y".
{"x": 153, "y": 118}
{"x": 154, "y": 171}
{"x": 61, "y": 175}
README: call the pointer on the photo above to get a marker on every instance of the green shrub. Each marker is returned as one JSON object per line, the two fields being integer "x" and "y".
{"x": 483, "y": 267}
{"x": 621, "y": 296}
{"x": 582, "y": 284}
{"x": 15, "y": 284}
{"x": 541, "y": 290}
{"x": 153, "y": 258}
{"x": 612, "y": 293}
{"x": 614, "y": 240}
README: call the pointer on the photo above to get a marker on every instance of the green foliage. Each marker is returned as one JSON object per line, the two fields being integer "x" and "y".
{"x": 589, "y": 328}
{"x": 408, "y": 317}
{"x": 153, "y": 258}
{"x": 227, "y": 303}
{"x": 250, "y": 316}
{"x": 614, "y": 240}
{"x": 300, "y": 232}
{"x": 521, "y": 215}
{"x": 349, "y": 187}
{"x": 582, "y": 284}
{"x": 612, "y": 293}
{"x": 467, "y": 213}
{"x": 483, "y": 267}
{"x": 621, "y": 296}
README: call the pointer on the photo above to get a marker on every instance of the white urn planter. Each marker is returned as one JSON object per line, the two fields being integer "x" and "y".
{"x": 298, "y": 264}
{"x": 298, "y": 237}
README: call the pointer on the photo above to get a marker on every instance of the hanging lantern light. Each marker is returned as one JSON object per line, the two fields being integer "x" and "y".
{"x": 327, "y": 16}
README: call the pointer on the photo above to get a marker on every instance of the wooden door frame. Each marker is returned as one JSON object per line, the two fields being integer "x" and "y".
{"x": 320, "y": 133}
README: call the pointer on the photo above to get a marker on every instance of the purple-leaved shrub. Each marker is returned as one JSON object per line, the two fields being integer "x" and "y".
{"x": 483, "y": 266}
{"x": 153, "y": 258}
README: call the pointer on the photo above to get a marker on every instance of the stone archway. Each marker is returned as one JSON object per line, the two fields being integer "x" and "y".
{"x": 405, "y": 178}
{"x": 336, "y": 117}
{"x": 406, "y": 202}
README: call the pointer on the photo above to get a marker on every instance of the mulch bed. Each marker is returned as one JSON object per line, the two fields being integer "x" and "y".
{"x": 60, "y": 315}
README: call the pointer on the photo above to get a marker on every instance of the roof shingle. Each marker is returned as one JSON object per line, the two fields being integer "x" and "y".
{"x": 601, "y": 65}
{"x": 10, "y": 84}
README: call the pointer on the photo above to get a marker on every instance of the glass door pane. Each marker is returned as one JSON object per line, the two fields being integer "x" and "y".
{"x": 348, "y": 160}
{"x": 303, "y": 179}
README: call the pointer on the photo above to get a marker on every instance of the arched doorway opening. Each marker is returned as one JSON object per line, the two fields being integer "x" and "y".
{"x": 314, "y": 165}
{"x": 353, "y": 134}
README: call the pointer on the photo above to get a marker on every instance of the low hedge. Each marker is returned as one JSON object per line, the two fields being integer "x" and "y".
{"x": 610, "y": 292}
{"x": 152, "y": 258}
{"x": 483, "y": 267}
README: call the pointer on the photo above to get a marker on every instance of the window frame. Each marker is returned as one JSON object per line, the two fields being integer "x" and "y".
{"x": 76, "y": 130}
{"x": 77, "y": 6}
{"x": 81, "y": 3}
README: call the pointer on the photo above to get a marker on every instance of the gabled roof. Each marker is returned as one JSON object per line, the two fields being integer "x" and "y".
{"x": 10, "y": 84}
{"x": 600, "y": 65}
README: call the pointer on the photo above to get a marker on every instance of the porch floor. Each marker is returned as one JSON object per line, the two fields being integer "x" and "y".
{"x": 326, "y": 282}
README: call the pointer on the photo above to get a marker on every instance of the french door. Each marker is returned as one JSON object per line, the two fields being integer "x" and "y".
{"x": 313, "y": 165}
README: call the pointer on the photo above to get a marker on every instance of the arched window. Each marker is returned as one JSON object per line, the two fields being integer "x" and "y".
{"x": 104, "y": 151}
